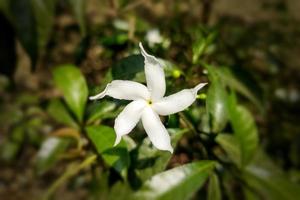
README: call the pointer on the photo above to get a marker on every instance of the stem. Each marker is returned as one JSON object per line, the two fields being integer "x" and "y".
{"x": 71, "y": 171}
{"x": 187, "y": 123}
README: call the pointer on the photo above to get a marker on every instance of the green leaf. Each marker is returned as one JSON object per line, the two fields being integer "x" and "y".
{"x": 71, "y": 82}
{"x": 217, "y": 106}
{"x": 150, "y": 160}
{"x": 214, "y": 191}
{"x": 128, "y": 67}
{"x": 78, "y": 7}
{"x": 25, "y": 26}
{"x": 178, "y": 183}
{"x": 116, "y": 39}
{"x": 237, "y": 84}
{"x": 100, "y": 110}
{"x": 268, "y": 181}
{"x": 49, "y": 153}
{"x": 58, "y": 111}
{"x": 244, "y": 128}
{"x": 9, "y": 150}
{"x": 103, "y": 138}
{"x": 44, "y": 15}
{"x": 231, "y": 146}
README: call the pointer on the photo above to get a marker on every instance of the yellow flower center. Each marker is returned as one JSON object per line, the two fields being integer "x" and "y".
{"x": 149, "y": 102}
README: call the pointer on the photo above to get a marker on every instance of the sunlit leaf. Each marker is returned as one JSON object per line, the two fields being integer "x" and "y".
{"x": 103, "y": 138}
{"x": 49, "y": 153}
{"x": 245, "y": 130}
{"x": 149, "y": 160}
{"x": 214, "y": 191}
{"x": 231, "y": 146}
{"x": 59, "y": 112}
{"x": 179, "y": 183}
{"x": 217, "y": 106}
{"x": 72, "y": 84}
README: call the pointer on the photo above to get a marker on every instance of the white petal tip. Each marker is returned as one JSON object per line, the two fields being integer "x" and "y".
{"x": 100, "y": 95}
{"x": 92, "y": 98}
{"x": 171, "y": 150}
{"x": 144, "y": 53}
{"x": 118, "y": 140}
{"x": 198, "y": 87}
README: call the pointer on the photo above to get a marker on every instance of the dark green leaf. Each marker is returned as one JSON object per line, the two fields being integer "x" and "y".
{"x": 231, "y": 146}
{"x": 216, "y": 105}
{"x": 127, "y": 68}
{"x": 237, "y": 84}
{"x": 100, "y": 110}
{"x": 9, "y": 150}
{"x": 114, "y": 40}
{"x": 214, "y": 192}
{"x": 44, "y": 15}
{"x": 103, "y": 138}
{"x": 179, "y": 183}
{"x": 49, "y": 153}
{"x": 25, "y": 26}
{"x": 245, "y": 129}
{"x": 269, "y": 181}
{"x": 71, "y": 82}
{"x": 78, "y": 7}
{"x": 58, "y": 111}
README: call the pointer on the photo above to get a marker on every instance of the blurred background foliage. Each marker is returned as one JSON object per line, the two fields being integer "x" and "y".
{"x": 239, "y": 140}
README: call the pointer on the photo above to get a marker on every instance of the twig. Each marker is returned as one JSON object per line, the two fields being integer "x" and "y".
{"x": 71, "y": 171}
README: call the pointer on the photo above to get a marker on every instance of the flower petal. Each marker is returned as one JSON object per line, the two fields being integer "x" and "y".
{"x": 155, "y": 75}
{"x": 156, "y": 131}
{"x": 177, "y": 102}
{"x": 128, "y": 90}
{"x": 128, "y": 118}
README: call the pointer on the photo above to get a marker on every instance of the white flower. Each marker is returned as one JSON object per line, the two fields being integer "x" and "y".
{"x": 153, "y": 37}
{"x": 148, "y": 103}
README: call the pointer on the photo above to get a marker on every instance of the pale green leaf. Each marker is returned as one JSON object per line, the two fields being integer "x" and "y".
{"x": 72, "y": 84}
{"x": 216, "y": 105}
{"x": 214, "y": 191}
{"x": 245, "y": 130}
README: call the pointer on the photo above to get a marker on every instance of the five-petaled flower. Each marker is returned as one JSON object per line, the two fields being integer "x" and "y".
{"x": 148, "y": 103}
